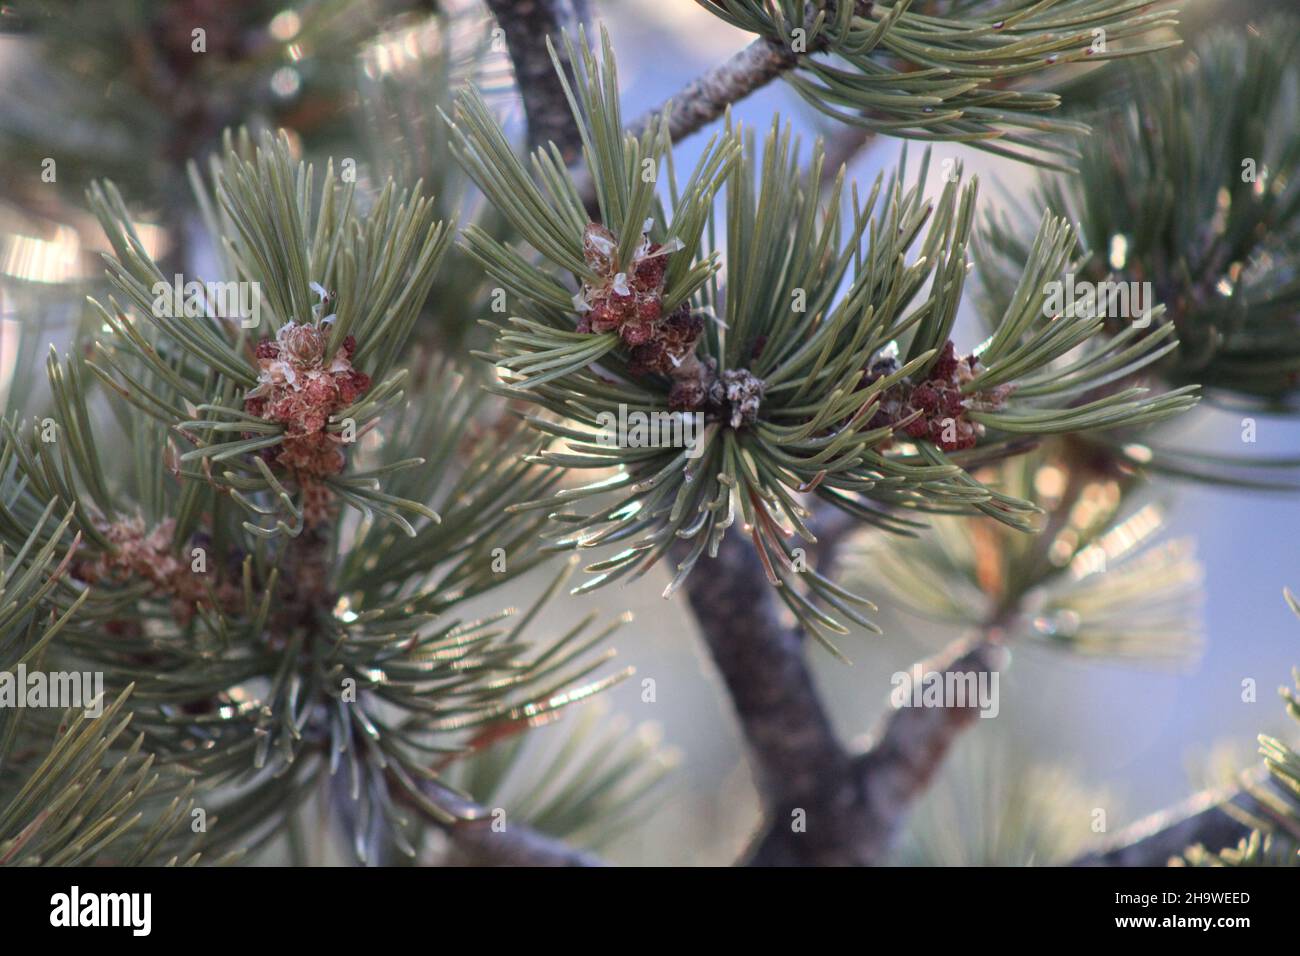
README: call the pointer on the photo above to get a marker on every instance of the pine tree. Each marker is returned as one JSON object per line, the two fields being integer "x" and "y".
{"x": 276, "y": 471}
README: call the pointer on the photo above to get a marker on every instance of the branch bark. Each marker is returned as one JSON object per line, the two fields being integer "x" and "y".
{"x": 911, "y": 743}
{"x": 1212, "y": 818}
{"x": 527, "y": 24}
{"x": 825, "y": 806}
{"x": 707, "y": 97}
{"x": 907, "y": 749}
{"x": 798, "y": 761}
{"x": 477, "y": 844}
{"x": 471, "y": 831}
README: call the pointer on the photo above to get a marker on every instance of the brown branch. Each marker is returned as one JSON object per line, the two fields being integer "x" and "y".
{"x": 471, "y": 829}
{"x": 527, "y": 25}
{"x": 870, "y": 795}
{"x": 477, "y": 843}
{"x": 707, "y": 97}
{"x": 824, "y": 806}
{"x": 798, "y": 761}
{"x": 911, "y": 743}
{"x": 1213, "y": 818}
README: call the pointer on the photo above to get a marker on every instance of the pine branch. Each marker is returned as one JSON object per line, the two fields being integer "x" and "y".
{"x": 520, "y": 846}
{"x": 707, "y": 97}
{"x": 479, "y": 844}
{"x": 1258, "y": 849}
{"x": 826, "y": 807}
{"x": 812, "y": 382}
{"x": 912, "y": 742}
{"x": 1236, "y": 819}
{"x": 800, "y": 763}
{"x": 360, "y": 671}
{"x": 1227, "y": 286}
{"x": 871, "y": 794}
{"x": 1213, "y": 818}
{"x": 914, "y": 75}
{"x": 527, "y": 25}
